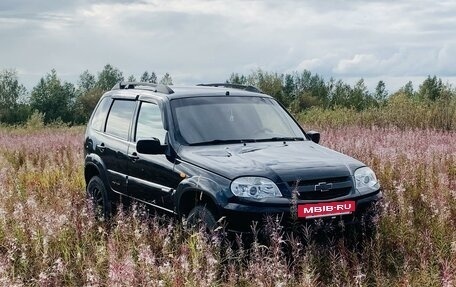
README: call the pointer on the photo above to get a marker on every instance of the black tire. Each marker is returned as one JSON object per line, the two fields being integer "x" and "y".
{"x": 201, "y": 217}
{"x": 96, "y": 191}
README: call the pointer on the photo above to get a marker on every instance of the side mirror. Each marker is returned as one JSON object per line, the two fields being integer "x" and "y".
{"x": 150, "y": 146}
{"x": 314, "y": 136}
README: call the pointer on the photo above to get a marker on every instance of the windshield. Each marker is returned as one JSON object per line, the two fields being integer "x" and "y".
{"x": 211, "y": 120}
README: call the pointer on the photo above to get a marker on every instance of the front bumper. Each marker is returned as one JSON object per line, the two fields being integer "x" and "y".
{"x": 241, "y": 215}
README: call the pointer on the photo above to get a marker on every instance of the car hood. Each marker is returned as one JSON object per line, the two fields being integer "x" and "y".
{"x": 279, "y": 161}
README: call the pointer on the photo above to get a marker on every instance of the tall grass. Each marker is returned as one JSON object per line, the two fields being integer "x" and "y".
{"x": 48, "y": 235}
{"x": 400, "y": 111}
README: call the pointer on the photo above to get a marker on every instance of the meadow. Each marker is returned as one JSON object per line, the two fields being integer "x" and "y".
{"x": 49, "y": 237}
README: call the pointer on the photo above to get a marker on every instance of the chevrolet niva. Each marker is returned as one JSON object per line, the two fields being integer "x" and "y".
{"x": 218, "y": 150}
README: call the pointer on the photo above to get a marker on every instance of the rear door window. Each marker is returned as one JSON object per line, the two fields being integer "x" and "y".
{"x": 119, "y": 118}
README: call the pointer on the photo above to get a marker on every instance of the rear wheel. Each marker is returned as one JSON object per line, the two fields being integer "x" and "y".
{"x": 201, "y": 217}
{"x": 96, "y": 191}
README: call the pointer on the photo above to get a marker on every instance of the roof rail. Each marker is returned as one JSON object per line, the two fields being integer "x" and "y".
{"x": 233, "y": 86}
{"x": 158, "y": 88}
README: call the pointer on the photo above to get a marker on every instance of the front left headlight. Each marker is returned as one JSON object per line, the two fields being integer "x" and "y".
{"x": 255, "y": 187}
{"x": 365, "y": 180}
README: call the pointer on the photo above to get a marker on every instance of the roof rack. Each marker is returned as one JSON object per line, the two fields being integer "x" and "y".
{"x": 233, "y": 86}
{"x": 158, "y": 88}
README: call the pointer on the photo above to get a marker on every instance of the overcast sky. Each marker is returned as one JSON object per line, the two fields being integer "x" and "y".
{"x": 204, "y": 41}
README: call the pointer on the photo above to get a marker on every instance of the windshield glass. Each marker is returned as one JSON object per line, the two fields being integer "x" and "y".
{"x": 204, "y": 120}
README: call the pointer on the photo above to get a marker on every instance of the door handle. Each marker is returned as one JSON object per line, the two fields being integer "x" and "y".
{"x": 101, "y": 147}
{"x": 133, "y": 157}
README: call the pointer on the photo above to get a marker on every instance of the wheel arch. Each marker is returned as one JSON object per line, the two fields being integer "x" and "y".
{"x": 95, "y": 167}
{"x": 196, "y": 190}
{"x": 191, "y": 197}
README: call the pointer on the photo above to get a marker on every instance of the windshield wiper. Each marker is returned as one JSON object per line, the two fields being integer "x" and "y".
{"x": 218, "y": 141}
{"x": 275, "y": 139}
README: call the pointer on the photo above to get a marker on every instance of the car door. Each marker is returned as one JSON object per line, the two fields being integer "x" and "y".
{"x": 151, "y": 177}
{"x": 112, "y": 145}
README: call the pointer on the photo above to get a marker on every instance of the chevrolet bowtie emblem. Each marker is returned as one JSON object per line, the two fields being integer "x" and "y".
{"x": 323, "y": 186}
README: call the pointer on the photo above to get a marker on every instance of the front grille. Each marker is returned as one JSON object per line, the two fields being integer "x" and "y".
{"x": 315, "y": 195}
{"x": 314, "y": 182}
{"x": 341, "y": 186}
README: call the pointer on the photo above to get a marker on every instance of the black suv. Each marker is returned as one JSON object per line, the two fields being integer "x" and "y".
{"x": 217, "y": 150}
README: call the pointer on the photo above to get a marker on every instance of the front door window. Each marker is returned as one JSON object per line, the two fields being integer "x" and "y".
{"x": 150, "y": 123}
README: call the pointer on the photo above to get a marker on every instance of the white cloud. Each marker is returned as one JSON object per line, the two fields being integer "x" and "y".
{"x": 310, "y": 64}
{"x": 199, "y": 40}
{"x": 446, "y": 60}
{"x": 361, "y": 63}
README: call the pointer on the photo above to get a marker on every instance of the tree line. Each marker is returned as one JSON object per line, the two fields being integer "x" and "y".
{"x": 60, "y": 101}
{"x": 303, "y": 90}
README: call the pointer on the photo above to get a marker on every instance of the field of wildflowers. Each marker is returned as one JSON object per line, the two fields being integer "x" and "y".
{"x": 48, "y": 235}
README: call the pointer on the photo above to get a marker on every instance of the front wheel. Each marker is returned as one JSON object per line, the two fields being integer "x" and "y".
{"x": 96, "y": 192}
{"x": 200, "y": 216}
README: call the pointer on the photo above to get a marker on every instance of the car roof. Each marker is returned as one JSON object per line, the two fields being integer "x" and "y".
{"x": 177, "y": 92}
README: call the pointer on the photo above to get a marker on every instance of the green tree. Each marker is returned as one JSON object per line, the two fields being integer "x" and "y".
{"x": 53, "y": 98}
{"x": 330, "y": 86}
{"x": 12, "y": 97}
{"x": 319, "y": 90}
{"x": 289, "y": 87}
{"x": 85, "y": 104}
{"x": 308, "y": 90}
{"x": 166, "y": 80}
{"x": 86, "y": 82}
{"x": 152, "y": 78}
{"x": 360, "y": 97}
{"x": 380, "y": 93}
{"x": 408, "y": 89}
{"x": 87, "y": 97}
{"x": 108, "y": 77}
{"x": 302, "y": 81}
{"x": 340, "y": 95}
{"x": 304, "y": 101}
{"x": 269, "y": 83}
{"x": 132, "y": 78}
{"x": 13, "y": 108}
{"x": 431, "y": 89}
{"x": 235, "y": 78}
{"x": 144, "y": 77}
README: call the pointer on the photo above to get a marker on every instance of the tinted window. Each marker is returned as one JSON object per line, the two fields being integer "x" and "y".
{"x": 99, "y": 116}
{"x": 119, "y": 118}
{"x": 205, "y": 119}
{"x": 150, "y": 123}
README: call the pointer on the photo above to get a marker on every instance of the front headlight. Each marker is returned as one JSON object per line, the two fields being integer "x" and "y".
{"x": 255, "y": 187}
{"x": 365, "y": 180}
